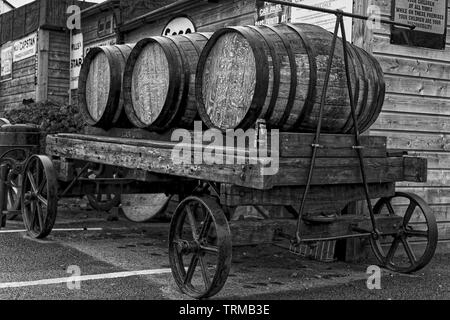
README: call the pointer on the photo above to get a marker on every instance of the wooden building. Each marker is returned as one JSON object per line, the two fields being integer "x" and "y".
{"x": 416, "y": 113}
{"x": 35, "y": 53}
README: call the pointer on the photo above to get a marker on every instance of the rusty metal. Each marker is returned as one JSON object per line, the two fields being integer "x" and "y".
{"x": 408, "y": 230}
{"x": 206, "y": 234}
{"x": 39, "y": 196}
{"x": 316, "y": 145}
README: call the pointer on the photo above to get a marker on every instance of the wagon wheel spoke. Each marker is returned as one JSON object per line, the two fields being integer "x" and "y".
{"x": 206, "y": 225}
{"x": 412, "y": 258}
{"x": 191, "y": 269}
{"x": 390, "y": 208}
{"x": 209, "y": 249}
{"x": 42, "y": 186}
{"x": 192, "y": 223}
{"x": 42, "y": 200}
{"x": 32, "y": 182}
{"x": 392, "y": 250}
{"x": 204, "y": 268}
{"x": 40, "y": 215}
{"x": 33, "y": 214}
{"x": 409, "y": 212}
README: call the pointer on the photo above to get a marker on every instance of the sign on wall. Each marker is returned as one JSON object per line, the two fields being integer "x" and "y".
{"x": 6, "y": 62}
{"x": 430, "y": 19}
{"x": 25, "y": 48}
{"x": 178, "y": 25}
{"x": 76, "y": 59}
{"x": 108, "y": 42}
{"x": 269, "y": 13}
{"x": 325, "y": 20}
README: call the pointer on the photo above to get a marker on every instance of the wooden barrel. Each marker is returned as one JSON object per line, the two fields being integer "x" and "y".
{"x": 277, "y": 73}
{"x": 99, "y": 88}
{"x": 159, "y": 81}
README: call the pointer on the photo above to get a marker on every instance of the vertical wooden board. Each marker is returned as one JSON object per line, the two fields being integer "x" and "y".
{"x": 150, "y": 83}
{"x": 42, "y": 67}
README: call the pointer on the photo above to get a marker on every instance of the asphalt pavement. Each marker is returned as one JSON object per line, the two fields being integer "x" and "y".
{"x": 129, "y": 261}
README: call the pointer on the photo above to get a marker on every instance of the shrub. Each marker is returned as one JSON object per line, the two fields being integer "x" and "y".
{"x": 50, "y": 117}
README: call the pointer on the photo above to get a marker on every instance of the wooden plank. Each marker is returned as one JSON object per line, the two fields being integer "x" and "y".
{"x": 291, "y": 145}
{"x": 417, "y": 86}
{"x": 395, "y": 65}
{"x": 334, "y": 146}
{"x": 147, "y": 156}
{"x": 396, "y": 102}
{"x": 413, "y": 141}
{"x": 283, "y": 196}
{"x": 383, "y": 45}
{"x": 265, "y": 231}
{"x": 42, "y": 72}
{"x": 413, "y": 123}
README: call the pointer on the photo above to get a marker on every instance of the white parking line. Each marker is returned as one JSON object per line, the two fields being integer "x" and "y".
{"x": 55, "y": 230}
{"x": 73, "y": 279}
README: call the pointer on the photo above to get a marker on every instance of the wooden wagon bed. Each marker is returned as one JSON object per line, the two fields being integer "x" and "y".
{"x": 337, "y": 162}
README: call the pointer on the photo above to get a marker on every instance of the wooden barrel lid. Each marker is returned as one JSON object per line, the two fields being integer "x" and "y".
{"x": 143, "y": 207}
{"x": 150, "y": 83}
{"x": 229, "y": 80}
{"x": 98, "y": 85}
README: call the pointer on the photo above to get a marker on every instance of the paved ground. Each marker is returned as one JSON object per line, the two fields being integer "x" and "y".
{"x": 264, "y": 272}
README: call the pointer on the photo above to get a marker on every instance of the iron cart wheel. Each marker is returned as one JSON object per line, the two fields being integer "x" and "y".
{"x": 418, "y": 230}
{"x": 200, "y": 247}
{"x": 39, "y": 196}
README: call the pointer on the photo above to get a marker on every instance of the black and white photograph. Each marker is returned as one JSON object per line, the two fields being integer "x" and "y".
{"x": 222, "y": 157}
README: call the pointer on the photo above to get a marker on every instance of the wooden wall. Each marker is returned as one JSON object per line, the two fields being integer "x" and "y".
{"x": 21, "y": 86}
{"x": 416, "y": 112}
{"x": 206, "y": 17}
{"x": 58, "y": 66}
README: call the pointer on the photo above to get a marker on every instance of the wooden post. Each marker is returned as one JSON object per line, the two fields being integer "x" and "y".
{"x": 42, "y": 69}
{"x": 362, "y": 34}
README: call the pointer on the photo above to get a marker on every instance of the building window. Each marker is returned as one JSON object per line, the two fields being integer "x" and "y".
{"x": 105, "y": 26}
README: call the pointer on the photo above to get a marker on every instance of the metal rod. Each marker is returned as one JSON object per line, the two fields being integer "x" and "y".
{"x": 75, "y": 180}
{"x": 316, "y": 144}
{"x": 345, "y": 14}
{"x": 358, "y": 148}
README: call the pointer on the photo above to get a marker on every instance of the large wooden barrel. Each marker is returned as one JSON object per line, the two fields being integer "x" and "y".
{"x": 99, "y": 87}
{"x": 277, "y": 73}
{"x": 159, "y": 81}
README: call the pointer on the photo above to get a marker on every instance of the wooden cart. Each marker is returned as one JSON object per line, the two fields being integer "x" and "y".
{"x": 202, "y": 231}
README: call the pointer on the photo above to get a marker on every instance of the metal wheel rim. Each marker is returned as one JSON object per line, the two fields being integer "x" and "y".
{"x": 215, "y": 217}
{"x": 431, "y": 235}
{"x": 39, "y": 196}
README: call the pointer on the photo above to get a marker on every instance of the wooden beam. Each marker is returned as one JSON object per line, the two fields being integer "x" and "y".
{"x": 252, "y": 232}
{"x": 42, "y": 65}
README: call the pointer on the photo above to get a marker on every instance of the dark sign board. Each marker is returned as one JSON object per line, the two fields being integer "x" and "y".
{"x": 430, "y": 19}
